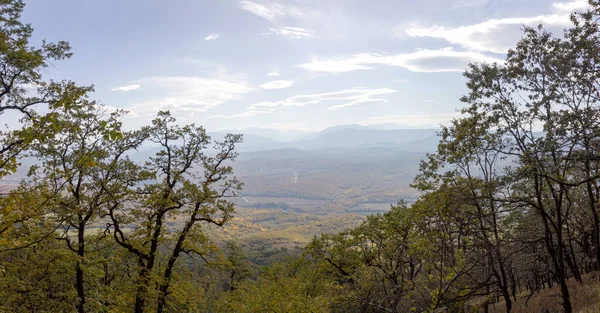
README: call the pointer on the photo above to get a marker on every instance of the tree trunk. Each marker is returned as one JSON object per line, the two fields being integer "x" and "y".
{"x": 593, "y": 207}
{"x": 164, "y": 288}
{"x": 79, "y": 272}
{"x": 570, "y": 259}
{"x": 565, "y": 296}
{"x": 556, "y": 253}
{"x": 562, "y": 277}
{"x": 147, "y": 267}
{"x": 507, "y": 301}
{"x": 142, "y": 290}
{"x": 596, "y": 230}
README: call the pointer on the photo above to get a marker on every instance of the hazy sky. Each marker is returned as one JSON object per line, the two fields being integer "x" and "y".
{"x": 289, "y": 64}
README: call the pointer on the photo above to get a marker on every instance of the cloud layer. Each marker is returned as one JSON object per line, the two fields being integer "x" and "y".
{"x": 271, "y": 12}
{"x": 496, "y": 35}
{"x": 571, "y": 6}
{"x": 277, "y": 84}
{"x": 290, "y": 32}
{"x": 127, "y": 87}
{"x": 309, "y": 38}
{"x": 212, "y": 37}
{"x": 344, "y": 98}
{"x": 182, "y": 94}
{"x": 429, "y": 61}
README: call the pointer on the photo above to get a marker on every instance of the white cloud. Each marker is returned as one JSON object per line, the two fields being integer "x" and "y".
{"x": 273, "y": 74}
{"x": 571, "y": 6}
{"x": 212, "y": 37}
{"x": 271, "y": 12}
{"x": 290, "y": 32}
{"x": 357, "y": 103}
{"x": 277, "y": 84}
{"x": 334, "y": 66}
{"x": 442, "y": 60}
{"x": 495, "y": 35}
{"x": 327, "y": 18}
{"x": 356, "y": 95}
{"x": 428, "y": 101}
{"x": 127, "y": 87}
{"x": 185, "y": 94}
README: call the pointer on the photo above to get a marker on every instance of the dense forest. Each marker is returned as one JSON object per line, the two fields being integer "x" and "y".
{"x": 508, "y": 206}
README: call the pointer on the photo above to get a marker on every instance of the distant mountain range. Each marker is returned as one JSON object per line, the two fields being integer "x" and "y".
{"x": 344, "y": 136}
{"x": 343, "y": 168}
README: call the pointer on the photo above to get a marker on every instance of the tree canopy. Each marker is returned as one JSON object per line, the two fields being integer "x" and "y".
{"x": 110, "y": 220}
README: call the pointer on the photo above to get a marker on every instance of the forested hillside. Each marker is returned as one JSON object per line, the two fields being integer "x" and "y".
{"x": 502, "y": 216}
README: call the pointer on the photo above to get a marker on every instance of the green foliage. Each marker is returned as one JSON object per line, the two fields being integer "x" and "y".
{"x": 508, "y": 203}
{"x": 22, "y": 89}
{"x": 280, "y": 288}
{"x": 181, "y": 182}
{"x": 37, "y": 279}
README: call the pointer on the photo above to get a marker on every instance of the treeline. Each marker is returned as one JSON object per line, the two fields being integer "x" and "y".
{"x": 113, "y": 229}
{"x": 90, "y": 230}
{"x": 509, "y": 203}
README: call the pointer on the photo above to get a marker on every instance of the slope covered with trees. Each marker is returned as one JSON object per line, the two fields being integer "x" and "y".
{"x": 508, "y": 206}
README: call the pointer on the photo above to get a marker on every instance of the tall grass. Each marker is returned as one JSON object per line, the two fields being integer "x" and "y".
{"x": 585, "y": 298}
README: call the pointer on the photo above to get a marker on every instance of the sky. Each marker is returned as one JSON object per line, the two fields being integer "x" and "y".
{"x": 285, "y": 64}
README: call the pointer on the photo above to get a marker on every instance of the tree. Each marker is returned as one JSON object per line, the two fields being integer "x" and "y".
{"x": 237, "y": 264}
{"x": 184, "y": 186}
{"x": 376, "y": 263}
{"x": 543, "y": 103}
{"x": 22, "y": 89}
{"x": 76, "y": 166}
{"x": 475, "y": 166}
{"x": 25, "y": 97}
{"x": 294, "y": 286}
{"x": 37, "y": 279}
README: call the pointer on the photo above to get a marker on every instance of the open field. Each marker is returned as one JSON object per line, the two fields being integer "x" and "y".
{"x": 271, "y": 234}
